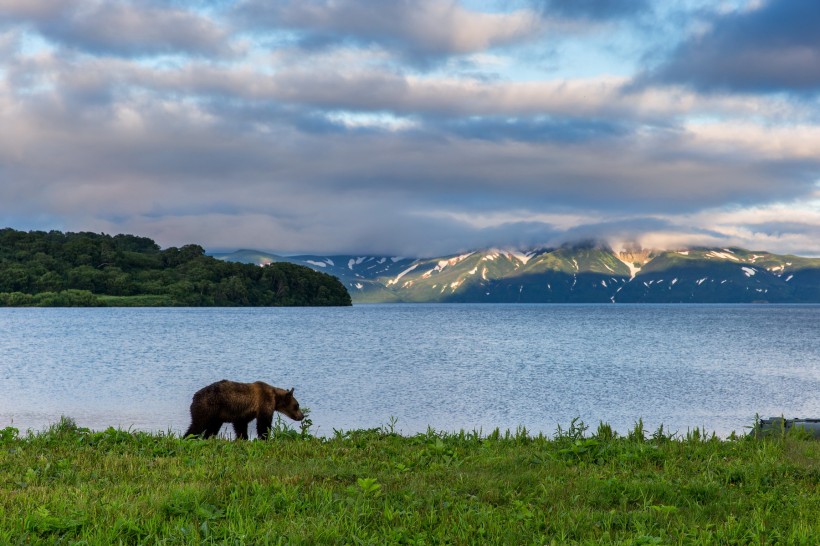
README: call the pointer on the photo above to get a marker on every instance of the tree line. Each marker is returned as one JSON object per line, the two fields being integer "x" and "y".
{"x": 52, "y": 268}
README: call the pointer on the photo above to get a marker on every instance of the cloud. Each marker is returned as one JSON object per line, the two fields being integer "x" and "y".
{"x": 120, "y": 27}
{"x": 535, "y": 129}
{"x": 769, "y": 48}
{"x": 208, "y": 153}
{"x": 421, "y": 30}
{"x": 135, "y": 154}
{"x": 21, "y": 9}
{"x": 596, "y": 10}
{"x": 365, "y": 89}
{"x": 352, "y": 126}
{"x": 757, "y": 228}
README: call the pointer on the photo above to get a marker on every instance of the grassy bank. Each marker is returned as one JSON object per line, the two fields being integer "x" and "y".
{"x": 373, "y": 487}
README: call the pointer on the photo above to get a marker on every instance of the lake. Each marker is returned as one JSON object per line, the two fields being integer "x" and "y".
{"x": 450, "y": 367}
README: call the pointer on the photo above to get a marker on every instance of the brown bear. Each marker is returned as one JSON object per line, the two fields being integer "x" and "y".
{"x": 240, "y": 403}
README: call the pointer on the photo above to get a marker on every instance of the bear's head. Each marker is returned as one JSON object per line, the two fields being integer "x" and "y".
{"x": 288, "y": 405}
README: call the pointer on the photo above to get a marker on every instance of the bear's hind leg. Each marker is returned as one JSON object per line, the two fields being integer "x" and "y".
{"x": 240, "y": 427}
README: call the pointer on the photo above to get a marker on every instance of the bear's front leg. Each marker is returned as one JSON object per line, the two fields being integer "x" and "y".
{"x": 240, "y": 427}
{"x": 212, "y": 428}
{"x": 194, "y": 430}
{"x": 263, "y": 424}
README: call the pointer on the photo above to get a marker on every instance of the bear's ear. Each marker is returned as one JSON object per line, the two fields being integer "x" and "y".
{"x": 290, "y": 392}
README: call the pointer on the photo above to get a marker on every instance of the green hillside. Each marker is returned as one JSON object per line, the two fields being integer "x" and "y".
{"x": 729, "y": 275}
{"x": 89, "y": 269}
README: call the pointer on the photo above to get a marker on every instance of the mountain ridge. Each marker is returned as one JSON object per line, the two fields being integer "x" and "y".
{"x": 585, "y": 273}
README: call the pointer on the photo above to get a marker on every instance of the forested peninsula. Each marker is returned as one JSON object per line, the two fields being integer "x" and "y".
{"x": 55, "y": 269}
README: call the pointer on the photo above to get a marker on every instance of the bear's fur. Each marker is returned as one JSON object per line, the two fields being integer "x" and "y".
{"x": 240, "y": 403}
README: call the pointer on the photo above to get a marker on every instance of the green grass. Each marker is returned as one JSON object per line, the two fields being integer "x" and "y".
{"x": 72, "y": 485}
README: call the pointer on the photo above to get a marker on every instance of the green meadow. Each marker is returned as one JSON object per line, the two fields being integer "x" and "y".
{"x": 70, "y": 485}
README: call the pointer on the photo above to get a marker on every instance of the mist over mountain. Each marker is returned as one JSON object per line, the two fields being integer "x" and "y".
{"x": 589, "y": 272}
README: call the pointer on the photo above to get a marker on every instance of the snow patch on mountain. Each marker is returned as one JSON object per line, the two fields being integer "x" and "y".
{"x": 634, "y": 259}
{"x": 452, "y": 261}
{"x": 725, "y": 255}
{"x": 633, "y": 269}
{"x": 402, "y": 274}
{"x": 442, "y": 264}
{"x": 522, "y": 257}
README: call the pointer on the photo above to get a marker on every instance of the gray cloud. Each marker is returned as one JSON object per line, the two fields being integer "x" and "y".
{"x": 785, "y": 227}
{"x": 421, "y": 30}
{"x": 772, "y": 48}
{"x": 120, "y": 27}
{"x": 201, "y": 169}
{"x": 593, "y": 9}
{"x": 354, "y": 149}
{"x": 537, "y": 129}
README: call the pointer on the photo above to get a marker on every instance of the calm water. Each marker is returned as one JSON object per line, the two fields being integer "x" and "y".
{"x": 473, "y": 367}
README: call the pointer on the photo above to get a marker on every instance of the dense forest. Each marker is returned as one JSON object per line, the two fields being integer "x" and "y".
{"x": 87, "y": 269}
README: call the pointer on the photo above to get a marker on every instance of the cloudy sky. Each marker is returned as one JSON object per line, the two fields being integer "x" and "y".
{"x": 413, "y": 127}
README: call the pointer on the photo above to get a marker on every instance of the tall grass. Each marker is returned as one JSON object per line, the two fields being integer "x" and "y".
{"x": 72, "y": 485}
